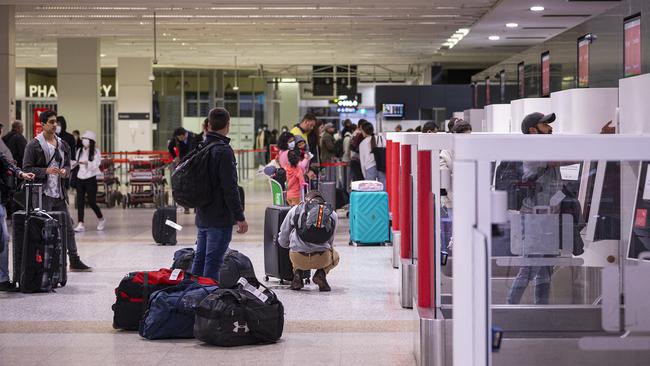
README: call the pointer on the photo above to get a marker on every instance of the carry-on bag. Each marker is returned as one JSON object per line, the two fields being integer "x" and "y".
{"x": 241, "y": 316}
{"x": 171, "y": 311}
{"x": 163, "y": 233}
{"x": 369, "y": 223}
{"x": 39, "y": 245}
{"x": 235, "y": 265}
{"x": 328, "y": 192}
{"x": 132, "y": 294}
{"x": 276, "y": 258}
{"x": 183, "y": 259}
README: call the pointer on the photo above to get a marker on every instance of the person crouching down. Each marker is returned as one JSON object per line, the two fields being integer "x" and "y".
{"x": 308, "y": 231}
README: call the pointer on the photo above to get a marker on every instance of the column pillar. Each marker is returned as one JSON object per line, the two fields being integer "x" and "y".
{"x": 78, "y": 82}
{"x": 7, "y": 65}
{"x": 134, "y": 99}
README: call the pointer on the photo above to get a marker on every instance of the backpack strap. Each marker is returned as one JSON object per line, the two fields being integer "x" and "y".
{"x": 297, "y": 213}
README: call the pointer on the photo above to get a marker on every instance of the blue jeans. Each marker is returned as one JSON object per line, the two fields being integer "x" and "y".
{"x": 211, "y": 246}
{"x": 4, "y": 255}
{"x": 373, "y": 174}
{"x": 542, "y": 277}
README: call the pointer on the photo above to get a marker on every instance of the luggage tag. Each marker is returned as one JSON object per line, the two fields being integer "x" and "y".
{"x": 248, "y": 287}
{"x": 175, "y": 274}
{"x": 173, "y": 225}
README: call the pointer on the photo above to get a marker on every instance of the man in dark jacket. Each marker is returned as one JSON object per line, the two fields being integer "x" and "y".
{"x": 215, "y": 220}
{"x": 62, "y": 132}
{"x": 183, "y": 140}
{"x": 16, "y": 142}
{"x": 48, "y": 157}
{"x": 5, "y": 166}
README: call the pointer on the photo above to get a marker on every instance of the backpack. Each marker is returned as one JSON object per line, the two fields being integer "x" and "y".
{"x": 313, "y": 222}
{"x": 338, "y": 148}
{"x": 183, "y": 259}
{"x": 172, "y": 310}
{"x": 236, "y": 265}
{"x": 239, "y": 316}
{"x": 191, "y": 178}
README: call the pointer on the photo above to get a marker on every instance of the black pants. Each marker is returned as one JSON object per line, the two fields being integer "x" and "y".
{"x": 87, "y": 186}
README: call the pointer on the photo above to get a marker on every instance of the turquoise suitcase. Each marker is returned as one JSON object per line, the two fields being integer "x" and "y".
{"x": 369, "y": 222}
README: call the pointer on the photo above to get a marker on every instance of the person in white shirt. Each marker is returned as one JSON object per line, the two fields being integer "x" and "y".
{"x": 88, "y": 159}
{"x": 367, "y": 154}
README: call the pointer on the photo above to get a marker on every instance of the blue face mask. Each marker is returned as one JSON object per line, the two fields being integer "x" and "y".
{"x": 292, "y": 145}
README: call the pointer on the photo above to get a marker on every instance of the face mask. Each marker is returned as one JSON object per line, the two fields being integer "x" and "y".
{"x": 292, "y": 145}
{"x": 85, "y": 142}
{"x": 58, "y": 129}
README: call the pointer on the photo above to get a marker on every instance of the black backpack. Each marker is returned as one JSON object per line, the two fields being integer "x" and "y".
{"x": 338, "y": 148}
{"x": 236, "y": 265}
{"x": 183, "y": 259}
{"x": 313, "y": 222}
{"x": 191, "y": 178}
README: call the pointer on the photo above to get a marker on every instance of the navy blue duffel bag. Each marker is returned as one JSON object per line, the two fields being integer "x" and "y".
{"x": 172, "y": 310}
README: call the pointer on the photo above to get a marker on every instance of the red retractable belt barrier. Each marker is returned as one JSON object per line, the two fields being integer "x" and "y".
{"x": 394, "y": 185}
{"x": 426, "y": 246}
{"x": 389, "y": 171}
{"x": 405, "y": 202}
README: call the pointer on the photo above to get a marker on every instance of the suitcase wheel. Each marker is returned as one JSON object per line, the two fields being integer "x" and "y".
{"x": 281, "y": 281}
{"x": 351, "y": 243}
{"x": 307, "y": 281}
{"x": 266, "y": 278}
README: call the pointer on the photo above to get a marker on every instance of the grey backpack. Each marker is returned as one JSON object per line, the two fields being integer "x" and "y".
{"x": 314, "y": 222}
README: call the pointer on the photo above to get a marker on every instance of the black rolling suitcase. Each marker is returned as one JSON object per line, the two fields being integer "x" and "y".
{"x": 39, "y": 246}
{"x": 276, "y": 259}
{"x": 164, "y": 234}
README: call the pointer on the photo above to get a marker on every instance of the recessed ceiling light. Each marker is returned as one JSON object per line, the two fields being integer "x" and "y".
{"x": 512, "y": 25}
{"x": 494, "y": 38}
{"x": 102, "y": 55}
{"x": 537, "y": 8}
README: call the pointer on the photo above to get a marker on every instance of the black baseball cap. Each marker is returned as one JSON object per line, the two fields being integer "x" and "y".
{"x": 533, "y": 119}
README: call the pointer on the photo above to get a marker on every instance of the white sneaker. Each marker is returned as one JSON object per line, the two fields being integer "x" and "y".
{"x": 101, "y": 224}
{"x": 80, "y": 228}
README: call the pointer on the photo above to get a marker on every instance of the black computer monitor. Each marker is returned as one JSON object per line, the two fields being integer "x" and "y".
{"x": 640, "y": 234}
{"x": 602, "y": 205}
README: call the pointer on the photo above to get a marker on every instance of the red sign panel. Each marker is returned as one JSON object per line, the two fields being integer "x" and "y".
{"x": 521, "y": 81}
{"x": 633, "y": 46}
{"x": 546, "y": 74}
{"x": 38, "y": 127}
{"x": 583, "y": 63}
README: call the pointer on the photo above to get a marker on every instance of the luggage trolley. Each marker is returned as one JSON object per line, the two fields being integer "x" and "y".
{"x": 107, "y": 183}
{"x": 146, "y": 179}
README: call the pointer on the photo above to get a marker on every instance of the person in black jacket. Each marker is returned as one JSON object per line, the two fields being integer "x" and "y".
{"x": 215, "y": 220}
{"x": 61, "y": 131}
{"x": 7, "y": 166}
{"x": 184, "y": 141}
{"x": 48, "y": 157}
{"x": 16, "y": 142}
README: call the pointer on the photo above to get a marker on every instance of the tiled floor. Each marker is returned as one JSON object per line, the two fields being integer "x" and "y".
{"x": 359, "y": 323}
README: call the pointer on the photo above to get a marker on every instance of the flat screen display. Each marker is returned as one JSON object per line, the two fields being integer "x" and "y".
{"x": 640, "y": 235}
{"x": 393, "y": 110}
{"x": 488, "y": 100}
{"x": 583, "y": 61}
{"x": 546, "y": 74}
{"x": 521, "y": 81}
{"x": 632, "y": 45}
{"x": 603, "y": 202}
{"x": 502, "y": 85}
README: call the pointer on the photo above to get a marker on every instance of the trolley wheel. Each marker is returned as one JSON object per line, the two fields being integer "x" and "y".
{"x": 281, "y": 281}
{"x": 350, "y": 243}
{"x": 62, "y": 284}
{"x": 266, "y": 278}
{"x": 307, "y": 281}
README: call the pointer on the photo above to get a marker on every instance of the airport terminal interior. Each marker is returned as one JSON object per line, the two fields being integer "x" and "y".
{"x": 335, "y": 182}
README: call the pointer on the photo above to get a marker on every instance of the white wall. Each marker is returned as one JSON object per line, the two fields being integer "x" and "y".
{"x": 497, "y": 118}
{"x": 634, "y": 107}
{"x": 133, "y": 96}
{"x": 289, "y": 105}
{"x": 584, "y": 110}
{"x": 520, "y": 108}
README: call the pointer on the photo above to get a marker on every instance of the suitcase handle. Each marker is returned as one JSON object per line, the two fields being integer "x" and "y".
{"x": 30, "y": 199}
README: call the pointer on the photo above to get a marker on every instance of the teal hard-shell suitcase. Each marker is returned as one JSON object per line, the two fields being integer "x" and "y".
{"x": 369, "y": 222}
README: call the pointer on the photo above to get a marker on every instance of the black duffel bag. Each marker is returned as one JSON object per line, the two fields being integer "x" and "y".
{"x": 237, "y": 317}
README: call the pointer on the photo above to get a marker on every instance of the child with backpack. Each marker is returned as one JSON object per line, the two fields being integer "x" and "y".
{"x": 308, "y": 232}
{"x": 295, "y": 178}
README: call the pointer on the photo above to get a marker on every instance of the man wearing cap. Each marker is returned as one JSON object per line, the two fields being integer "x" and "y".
{"x": 546, "y": 191}
{"x": 327, "y": 144}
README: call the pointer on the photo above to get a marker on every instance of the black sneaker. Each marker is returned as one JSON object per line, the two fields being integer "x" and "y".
{"x": 8, "y": 286}
{"x": 296, "y": 283}
{"x": 76, "y": 265}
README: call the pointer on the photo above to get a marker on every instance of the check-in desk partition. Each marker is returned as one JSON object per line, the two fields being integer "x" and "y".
{"x": 392, "y": 185}
{"x": 407, "y": 216}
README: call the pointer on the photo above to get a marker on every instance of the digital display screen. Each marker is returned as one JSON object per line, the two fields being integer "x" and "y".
{"x": 546, "y": 74}
{"x": 632, "y": 43}
{"x": 487, "y": 91}
{"x": 521, "y": 81}
{"x": 583, "y": 62}
{"x": 640, "y": 235}
{"x": 475, "y": 103}
{"x": 502, "y": 85}
{"x": 393, "y": 110}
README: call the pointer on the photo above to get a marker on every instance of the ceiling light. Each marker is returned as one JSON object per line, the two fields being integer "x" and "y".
{"x": 494, "y": 38}
{"x": 235, "y": 88}
{"x": 536, "y": 8}
{"x": 512, "y": 25}
{"x": 457, "y": 36}
{"x": 464, "y": 31}
{"x": 102, "y": 55}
